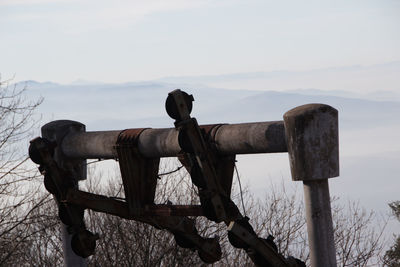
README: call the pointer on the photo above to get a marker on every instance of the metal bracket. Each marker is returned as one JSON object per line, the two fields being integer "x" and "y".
{"x": 139, "y": 174}
{"x": 58, "y": 182}
{"x": 198, "y": 158}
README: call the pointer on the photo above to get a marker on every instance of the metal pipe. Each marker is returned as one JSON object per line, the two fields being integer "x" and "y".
{"x": 229, "y": 139}
{"x": 319, "y": 223}
{"x": 250, "y": 138}
{"x": 90, "y": 145}
{"x": 313, "y": 142}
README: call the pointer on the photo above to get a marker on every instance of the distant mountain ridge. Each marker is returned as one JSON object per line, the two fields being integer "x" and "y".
{"x": 363, "y": 81}
{"x": 145, "y": 100}
{"x": 374, "y": 82}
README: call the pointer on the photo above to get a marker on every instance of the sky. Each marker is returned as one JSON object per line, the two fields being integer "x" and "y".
{"x": 120, "y": 41}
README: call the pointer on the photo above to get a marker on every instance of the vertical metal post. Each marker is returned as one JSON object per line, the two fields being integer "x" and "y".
{"x": 56, "y": 131}
{"x": 313, "y": 146}
{"x": 319, "y": 223}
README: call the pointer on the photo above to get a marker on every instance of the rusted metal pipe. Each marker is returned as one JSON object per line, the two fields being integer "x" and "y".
{"x": 229, "y": 139}
{"x": 250, "y": 138}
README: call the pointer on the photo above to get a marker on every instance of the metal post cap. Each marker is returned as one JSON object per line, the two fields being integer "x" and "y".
{"x": 313, "y": 141}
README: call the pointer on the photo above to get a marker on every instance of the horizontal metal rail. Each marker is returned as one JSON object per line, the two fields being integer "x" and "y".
{"x": 120, "y": 208}
{"x": 228, "y": 139}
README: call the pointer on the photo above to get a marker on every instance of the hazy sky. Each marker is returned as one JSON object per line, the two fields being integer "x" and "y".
{"x": 119, "y": 41}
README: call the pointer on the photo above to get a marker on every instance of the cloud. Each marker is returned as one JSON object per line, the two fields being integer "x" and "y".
{"x": 83, "y": 16}
{"x": 127, "y": 12}
{"x": 89, "y": 14}
{"x": 32, "y": 2}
